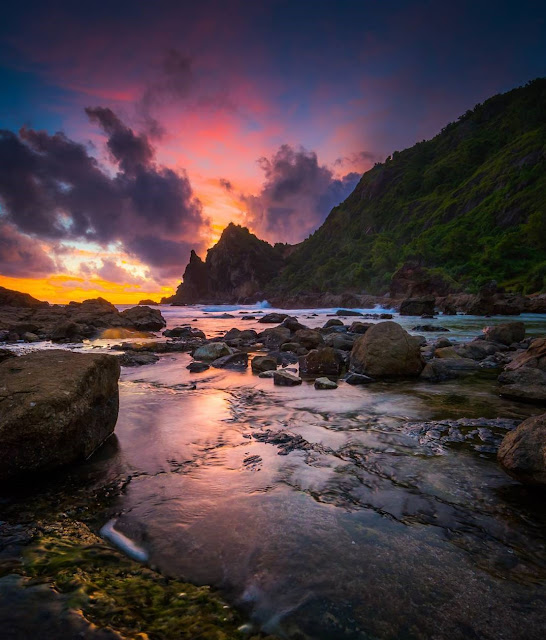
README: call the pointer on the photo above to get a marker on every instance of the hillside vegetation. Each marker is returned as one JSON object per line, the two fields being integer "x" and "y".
{"x": 470, "y": 205}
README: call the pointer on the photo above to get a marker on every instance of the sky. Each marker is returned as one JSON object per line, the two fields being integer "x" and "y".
{"x": 132, "y": 132}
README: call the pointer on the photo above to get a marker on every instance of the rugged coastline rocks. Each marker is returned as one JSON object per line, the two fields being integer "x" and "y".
{"x": 55, "y": 407}
{"x": 387, "y": 351}
{"x": 522, "y": 453}
{"x": 418, "y": 306}
{"x": 143, "y": 318}
{"x": 506, "y": 333}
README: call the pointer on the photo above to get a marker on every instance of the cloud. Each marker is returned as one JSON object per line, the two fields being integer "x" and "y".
{"x": 22, "y": 256}
{"x": 52, "y": 189}
{"x": 112, "y": 272}
{"x": 296, "y": 196}
{"x": 226, "y": 184}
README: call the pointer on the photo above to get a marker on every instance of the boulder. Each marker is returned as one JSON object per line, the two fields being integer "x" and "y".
{"x": 309, "y": 338}
{"x": 357, "y": 378}
{"x": 325, "y": 383}
{"x": 522, "y": 453}
{"x": 506, "y": 333}
{"x": 135, "y": 359}
{"x": 246, "y": 335}
{"x": 284, "y": 378}
{"x": 293, "y": 324}
{"x": 527, "y": 384}
{"x": 144, "y": 318}
{"x": 440, "y": 369}
{"x": 56, "y": 407}
{"x": 184, "y": 332}
{"x": 197, "y": 367}
{"x": 534, "y": 357}
{"x": 387, "y": 351}
{"x": 333, "y": 322}
{"x": 274, "y": 337}
{"x": 429, "y": 327}
{"x": 71, "y": 332}
{"x": 273, "y": 318}
{"x": 237, "y": 360}
{"x": 479, "y": 349}
{"x": 263, "y": 363}
{"x": 266, "y": 374}
{"x": 30, "y": 337}
{"x": 359, "y": 327}
{"x": 211, "y": 351}
{"x": 348, "y": 312}
{"x": 148, "y": 303}
{"x": 325, "y": 361}
{"x": 418, "y": 306}
{"x": 339, "y": 341}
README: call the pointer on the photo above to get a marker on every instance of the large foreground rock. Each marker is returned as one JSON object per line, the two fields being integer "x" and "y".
{"x": 387, "y": 351}
{"x": 522, "y": 453}
{"x": 527, "y": 384}
{"x": 55, "y": 407}
{"x": 143, "y": 318}
{"x": 506, "y": 333}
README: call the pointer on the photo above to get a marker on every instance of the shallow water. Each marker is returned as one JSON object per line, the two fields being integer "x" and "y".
{"x": 360, "y": 528}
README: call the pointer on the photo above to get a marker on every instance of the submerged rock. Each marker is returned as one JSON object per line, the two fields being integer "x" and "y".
{"x": 237, "y": 360}
{"x": 132, "y": 359}
{"x": 184, "y": 332}
{"x": 55, "y": 407}
{"x": 440, "y": 369}
{"x": 387, "y": 351}
{"x": 357, "y": 378}
{"x": 197, "y": 367}
{"x": 267, "y": 374}
{"x": 522, "y": 453}
{"x": 286, "y": 379}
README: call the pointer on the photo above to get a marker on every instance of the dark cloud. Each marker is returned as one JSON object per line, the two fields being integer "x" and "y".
{"x": 297, "y": 195}
{"x": 51, "y": 188}
{"x": 113, "y": 272}
{"x": 22, "y": 256}
{"x": 358, "y": 159}
{"x": 226, "y": 184}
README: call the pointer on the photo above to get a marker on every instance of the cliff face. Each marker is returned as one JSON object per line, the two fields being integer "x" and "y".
{"x": 236, "y": 269}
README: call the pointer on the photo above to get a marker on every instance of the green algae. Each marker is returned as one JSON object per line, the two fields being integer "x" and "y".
{"x": 114, "y": 592}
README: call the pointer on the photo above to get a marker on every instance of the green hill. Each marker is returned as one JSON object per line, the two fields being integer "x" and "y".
{"x": 469, "y": 205}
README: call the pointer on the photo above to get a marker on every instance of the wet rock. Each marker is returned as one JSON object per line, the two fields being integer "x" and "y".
{"x": 266, "y": 374}
{"x": 340, "y": 341}
{"x": 55, "y": 407}
{"x": 348, "y": 312}
{"x": 333, "y": 322}
{"x": 325, "y": 361}
{"x": 309, "y": 338}
{"x": 284, "y": 378}
{"x": 291, "y": 346}
{"x": 284, "y": 357}
{"x": 527, "y": 384}
{"x": 506, "y": 333}
{"x": 418, "y": 306}
{"x": 387, "y": 351}
{"x": 274, "y": 337}
{"x": 429, "y": 327}
{"x": 263, "y": 363}
{"x": 441, "y": 369}
{"x": 5, "y": 354}
{"x": 385, "y": 316}
{"x": 248, "y": 318}
{"x": 211, "y": 351}
{"x": 246, "y": 335}
{"x": 71, "y": 332}
{"x": 325, "y": 383}
{"x": 522, "y": 453}
{"x": 441, "y": 343}
{"x": 534, "y": 357}
{"x": 360, "y": 327}
{"x": 144, "y": 318}
{"x": 197, "y": 367}
{"x": 293, "y": 324}
{"x": 447, "y": 352}
{"x": 479, "y": 349}
{"x": 357, "y": 378}
{"x": 225, "y": 316}
{"x": 287, "y": 442}
{"x": 184, "y": 332}
{"x": 273, "y": 318}
{"x": 137, "y": 359}
{"x": 30, "y": 337}
{"x": 237, "y": 360}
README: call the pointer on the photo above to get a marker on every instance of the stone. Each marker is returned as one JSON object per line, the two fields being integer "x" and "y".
{"x": 387, "y": 351}
{"x": 148, "y": 303}
{"x": 274, "y": 337}
{"x": 197, "y": 367}
{"x": 30, "y": 337}
{"x": 309, "y": 338}
{"x": 286, "y": 379}
{"x": 534, "y": 357}
{"x": 184, "y": 332}
{"x": 418, "y": 306}
{"x": 506, "y": 333}
{"x": 340, "y": 341}
{"x": 135, "y": 359}
{"x": 56, "y": 407}
{"x": 429, "y": 327}
{"x": 446, "y": 352}
{"x": 246, "y": 335}
{"x": 348, "y": 312}
{"x": 440, "y": 369}
{"x": 266, "y": 374}
{"x": 527, "y": 384}
{"x": 144, "y": 318}
{"x": 359, "y": 327}
{"x": 293, "y": 324}
{"x": 237, "y": 360}
{"x": 357, "y": 378}
{"x": 211, "y": 351}
{"x": 522, "y": 453}
{"x": 333, "y": 322}
{"x": 441, "y": 343}
{"x": 273, "y": 318}
{"x": 325, "y": 383}
{"x": 70, "y": 332}
{"x": 325, "y": 361}
{"x": 263, "y": 363}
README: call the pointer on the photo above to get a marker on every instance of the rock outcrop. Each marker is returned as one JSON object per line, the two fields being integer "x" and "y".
{"x": 418, "y": 306}
{"x": 56, "y": 407}
{"x": 143, "y": 318}
{"x": 387, "y": 351}
{"x": 506, "y": 333}
{"x": 522, "y": 453}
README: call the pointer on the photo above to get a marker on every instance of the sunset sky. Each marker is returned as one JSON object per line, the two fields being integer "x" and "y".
{"x": 132, "y": 132}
